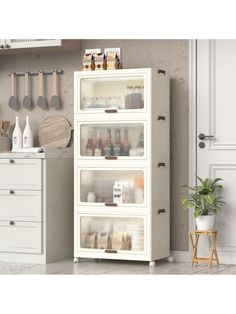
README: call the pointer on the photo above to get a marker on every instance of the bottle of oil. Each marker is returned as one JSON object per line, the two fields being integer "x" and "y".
{"x": 108, "y": 144}
{"x": 117, "y": 144}
{"x": 98, "y": 149}
{"x": 125, "y": 147}
{"x": 90, "y": 145}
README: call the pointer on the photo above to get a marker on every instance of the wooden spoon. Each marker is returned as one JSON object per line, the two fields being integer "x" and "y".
{"x": 13, "y": 101}
{"x": 27, "y": 102}
{"x": 41, "y": 101}
{"x": 55, "y": 100}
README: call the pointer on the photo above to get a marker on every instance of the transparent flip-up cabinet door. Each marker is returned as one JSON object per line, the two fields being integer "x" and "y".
{"x": 111, "y": 187}
{"x": 116, "y": 140}
{"x": 112, "y": 93}
{"x": 111, "y": 234}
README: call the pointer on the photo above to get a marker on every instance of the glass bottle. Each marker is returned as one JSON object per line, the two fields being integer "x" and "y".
{"x": 90, "y": 145}
{"x": 125, "y": 147}
{"x": 98, "y": 145}
{"x": 108, "y": 144}
{"x": 117, "y": 145}
{"x": 27, "y": 135}
{"x": 17, "y": 137}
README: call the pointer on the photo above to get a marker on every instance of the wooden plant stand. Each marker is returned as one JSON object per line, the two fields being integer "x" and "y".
{"x": 194, "y": 238}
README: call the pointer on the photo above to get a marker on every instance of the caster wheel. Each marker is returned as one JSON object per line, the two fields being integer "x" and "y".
{"x": 170, "y": 259}
{"x": 76, "y": 260}
{"x": 152, "y": 264}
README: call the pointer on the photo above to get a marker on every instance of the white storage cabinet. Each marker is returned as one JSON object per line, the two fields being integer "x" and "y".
{"x": 121, "y": 139}
{"x": 36, "y": 206}
{"x": 6, "y": 44}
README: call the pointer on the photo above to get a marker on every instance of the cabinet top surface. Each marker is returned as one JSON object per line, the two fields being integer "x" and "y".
{"x": 112, "y": 72}
{"x": 48, "y": 153}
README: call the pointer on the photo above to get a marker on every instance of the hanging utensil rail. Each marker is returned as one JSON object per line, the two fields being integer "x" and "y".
{"x": 36, "y": 73}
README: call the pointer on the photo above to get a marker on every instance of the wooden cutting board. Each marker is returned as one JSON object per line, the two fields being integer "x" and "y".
{"x": 54, "y": 132}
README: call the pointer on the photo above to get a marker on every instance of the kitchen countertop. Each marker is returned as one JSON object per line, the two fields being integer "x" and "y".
{"x": 48, "y": 153}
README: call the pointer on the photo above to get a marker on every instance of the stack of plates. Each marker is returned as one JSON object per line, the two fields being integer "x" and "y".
{"x": 137, "y": 234}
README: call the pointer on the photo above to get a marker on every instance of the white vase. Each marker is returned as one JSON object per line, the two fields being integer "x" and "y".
{"x": 206, "y": 222}
{"x": 27, "y": 135}
{"x": 17, "y": 135}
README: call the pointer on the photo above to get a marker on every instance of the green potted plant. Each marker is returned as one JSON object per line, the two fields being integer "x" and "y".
{"x": 205, "y": 202}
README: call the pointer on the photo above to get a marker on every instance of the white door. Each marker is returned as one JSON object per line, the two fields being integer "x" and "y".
{"x": 216, "y": 119}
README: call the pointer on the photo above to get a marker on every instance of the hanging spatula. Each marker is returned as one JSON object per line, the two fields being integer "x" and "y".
{"x": 41, "y": 101}
{"x": 13, "y": 101}
{"x": 55, "y": 100}
{"x": 27, "y": 102}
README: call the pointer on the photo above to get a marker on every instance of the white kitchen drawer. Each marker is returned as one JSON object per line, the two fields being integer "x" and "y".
{"x": 20, "y": 174}
{"x": 20, "y": 205}
{"x": 101, "y": 182}
{"x": 136, "y": 133}
{"x": 123, "y": 91}
{"x": 111, "y": 234}
{"x": 21, "y": 237}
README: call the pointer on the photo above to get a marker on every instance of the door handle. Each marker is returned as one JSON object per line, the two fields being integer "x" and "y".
{"x": 203, "y": 137}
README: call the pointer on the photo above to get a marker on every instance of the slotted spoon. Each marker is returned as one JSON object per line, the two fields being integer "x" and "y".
{"x": 13, "y": 101}
{"x": 55, "y": 100}
{"x": 27, "y": 102}
{"x": 41, "y": 101}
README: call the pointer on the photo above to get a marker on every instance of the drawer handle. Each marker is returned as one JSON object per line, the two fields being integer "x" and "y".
{"x": 111, "y": 204}
{"x": 161, "y": 211}
{"x": 161, "y": 164}
{"x": 111, "y": 157}
{"x": 11, "y": 192}
{"x": 11, "y": 222}
{"x": 161, "y": 118}
{"x": 111, "y": 251}
{"x": 12, "y": 161}
{"x": 111, "y": 110}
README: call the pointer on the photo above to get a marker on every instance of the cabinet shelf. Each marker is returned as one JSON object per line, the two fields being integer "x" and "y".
{"x": 121, "y": 171}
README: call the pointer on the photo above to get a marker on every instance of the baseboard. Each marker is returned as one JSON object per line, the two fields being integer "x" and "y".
{"x": 226, "y": 258}
{"x": 181, "y": 256}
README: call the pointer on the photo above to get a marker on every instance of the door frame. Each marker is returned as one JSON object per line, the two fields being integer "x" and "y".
{"x": 192, "y": 121}
{"x": 226, "y": 257}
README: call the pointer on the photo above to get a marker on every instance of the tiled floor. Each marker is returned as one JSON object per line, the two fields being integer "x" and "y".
{"x": 107, "y": 267}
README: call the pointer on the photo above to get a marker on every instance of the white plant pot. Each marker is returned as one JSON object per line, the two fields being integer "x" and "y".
{"x": 206, "y": 222}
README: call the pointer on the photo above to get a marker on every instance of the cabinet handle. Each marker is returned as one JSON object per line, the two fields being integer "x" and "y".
{"x": 12, "y": 161}
{"x": 111, "y": 157}
{"x": 11, "y": 222}
{"x": 111, "y": 110}
{"x": 111, "y": 204}
{"x": 161, "y": 164}
{"x": 7, "y": 46}
{"x": 11, "y": 192}
{"x": 111, "y": 251}
{"x": 161, "y": 211}
{"x": 161, "y": 118}
{"x": 161, "y": 71}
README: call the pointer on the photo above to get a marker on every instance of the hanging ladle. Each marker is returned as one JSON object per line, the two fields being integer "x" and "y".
{"x": 13, "y": 101}
{"x": 27, "y": 102}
